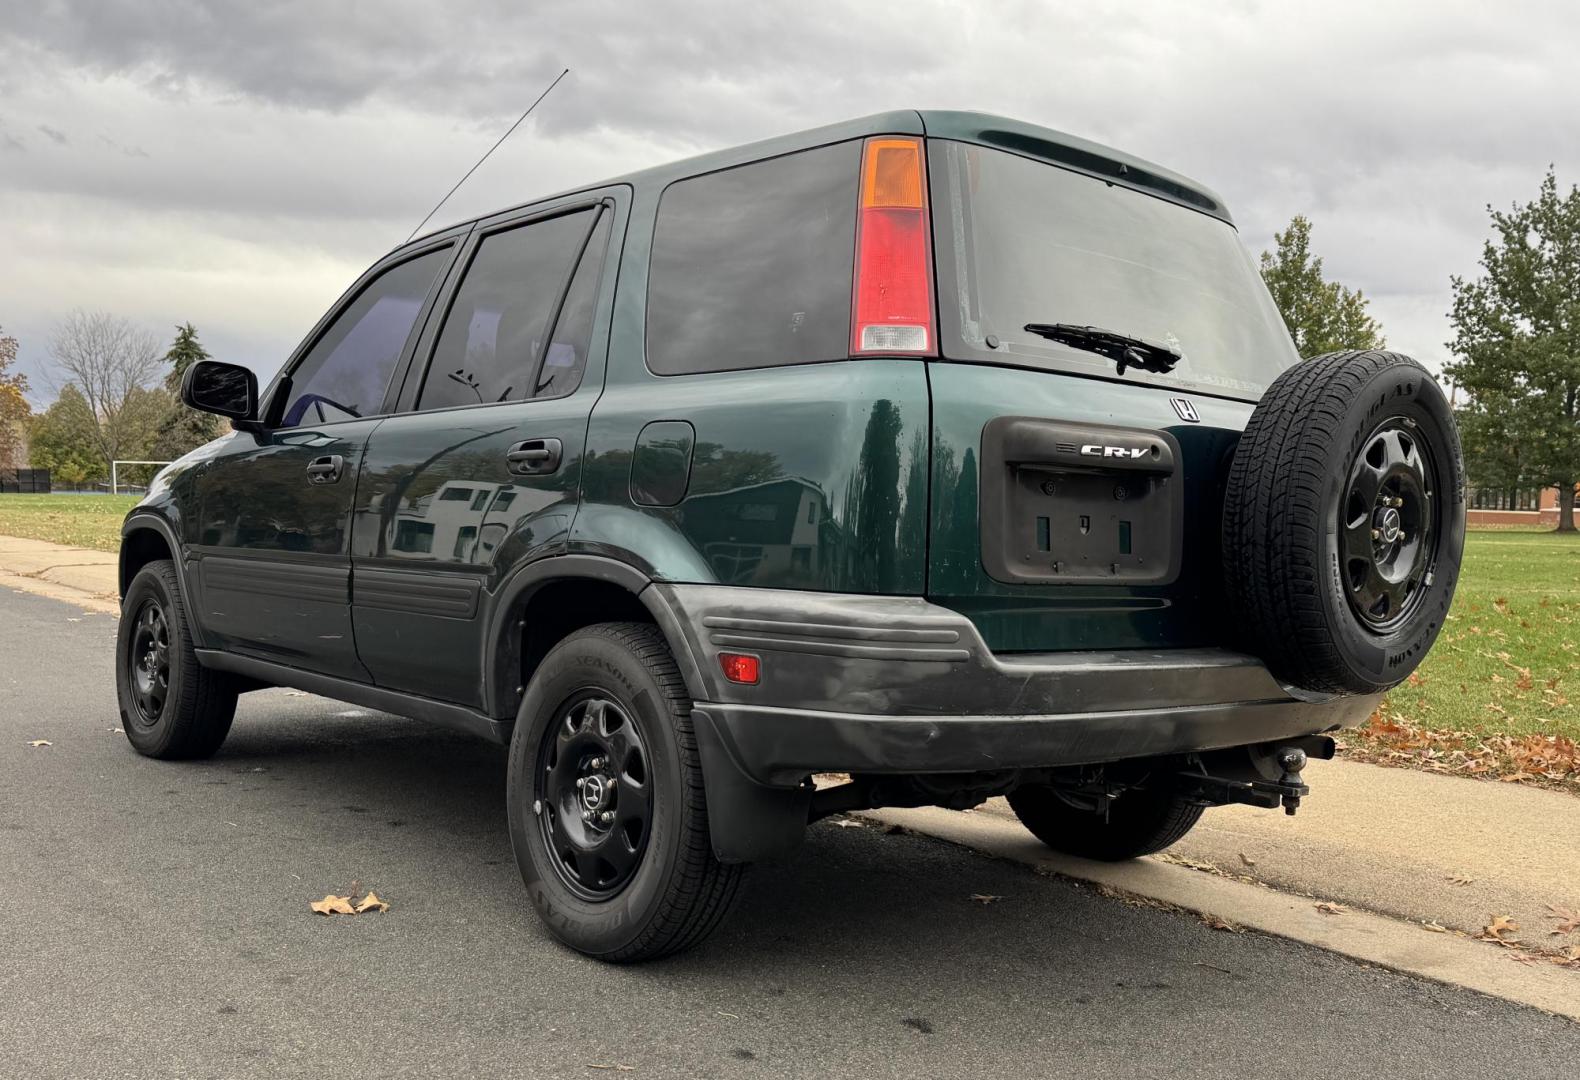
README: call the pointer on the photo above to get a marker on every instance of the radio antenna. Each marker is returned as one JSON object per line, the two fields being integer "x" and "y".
{"x": 491, "y": 149}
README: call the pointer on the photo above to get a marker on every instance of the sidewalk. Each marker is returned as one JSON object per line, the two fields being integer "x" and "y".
{"x": 1413, "y": 845}
{"x": 76, "y": 575}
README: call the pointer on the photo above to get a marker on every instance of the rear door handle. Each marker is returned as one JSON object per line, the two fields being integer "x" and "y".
{"x": 534, "y": 457}
{"x": 325, "y": 470}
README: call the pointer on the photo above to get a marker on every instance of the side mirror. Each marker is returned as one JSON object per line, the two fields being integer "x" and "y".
{"x": 228, "y": 390}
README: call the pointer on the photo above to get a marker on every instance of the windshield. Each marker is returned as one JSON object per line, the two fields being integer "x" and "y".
{"x": 1021, "y": 241}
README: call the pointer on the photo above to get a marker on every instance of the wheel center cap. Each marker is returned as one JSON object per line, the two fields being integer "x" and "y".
{"x": 1390, "y": 526}
{"x": 595, "y": 792}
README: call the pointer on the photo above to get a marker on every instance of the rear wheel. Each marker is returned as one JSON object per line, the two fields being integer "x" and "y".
{"x": 171, "y": 706}
{"x": 1139, "y": 822}
{"x": 607, "y": 816}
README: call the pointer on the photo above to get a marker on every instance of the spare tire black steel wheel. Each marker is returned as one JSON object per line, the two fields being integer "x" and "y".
{"x": 1344, "y": 522}
{"x": 605, "y": 799}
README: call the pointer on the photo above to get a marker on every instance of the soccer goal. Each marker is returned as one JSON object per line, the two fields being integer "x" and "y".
{"x": 115, "y": 472}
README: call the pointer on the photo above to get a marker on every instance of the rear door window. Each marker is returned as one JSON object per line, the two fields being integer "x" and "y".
{"x": 347, "y": 371}
{"x": 492, "y": 346}
{"x": 751, "y": 266}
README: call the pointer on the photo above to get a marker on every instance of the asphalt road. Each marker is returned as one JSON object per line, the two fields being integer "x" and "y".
{"x": 154, "y": 922}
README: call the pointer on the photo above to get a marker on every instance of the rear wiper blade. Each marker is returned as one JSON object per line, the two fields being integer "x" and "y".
{"x": 1124, "y": 350}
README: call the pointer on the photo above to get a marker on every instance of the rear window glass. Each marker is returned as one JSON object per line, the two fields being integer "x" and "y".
{"x": 751, "y": 266}
{"x": 1021, "y": 241}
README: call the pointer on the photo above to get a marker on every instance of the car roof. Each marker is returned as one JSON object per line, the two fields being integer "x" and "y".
{"x": 1030, "y": 140}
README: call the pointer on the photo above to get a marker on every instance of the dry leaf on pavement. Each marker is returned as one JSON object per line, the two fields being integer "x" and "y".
{"x": 1568, "y": 921}
{"x": 1328, "y": 908}
{"x": 370, "y": 902}
{"x": 1458, "y": 879}
{"x": 1436, "y": 928}
{"x": 40, "y": 742}
{"x": 333, "y": 905}
{"x": 1216, "y": 923}
{"x": 1247, "y": 859}
{"x": 1499, "y": 926}
{"x": 983, "y": 898}
{"x": 616, "y": 1068}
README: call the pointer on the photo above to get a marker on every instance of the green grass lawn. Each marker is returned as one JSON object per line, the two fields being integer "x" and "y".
{"x": 91, "y": 521}
{"x": 1508, "y": 660}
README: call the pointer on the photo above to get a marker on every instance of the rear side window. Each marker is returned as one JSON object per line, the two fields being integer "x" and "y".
{"x": 493, "y": 337}
{"x": 348, "y": 369}
{"x": 751, "y": 267}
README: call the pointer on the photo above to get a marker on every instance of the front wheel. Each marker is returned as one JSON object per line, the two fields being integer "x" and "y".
{"x": 1139, "y": 822}
{"x": 171, "y": 706}
{"x": 607, "y": 816}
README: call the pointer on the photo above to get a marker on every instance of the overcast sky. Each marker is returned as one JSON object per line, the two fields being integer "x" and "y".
{"x": 238, "y": 164}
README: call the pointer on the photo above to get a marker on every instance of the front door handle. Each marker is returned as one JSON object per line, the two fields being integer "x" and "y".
{"x": 534, "y": 457}
{"x": 325, "y": 470}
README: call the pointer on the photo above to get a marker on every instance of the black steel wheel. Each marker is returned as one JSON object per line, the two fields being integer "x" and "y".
{"x": 608, "y": 818}
{"x": 148, "y": 666}
{"x": 596, "y": 806}
{"x": 1390, "y": 528}
{"x": 1344, "y": 522}
{"x": 171, "y": 706}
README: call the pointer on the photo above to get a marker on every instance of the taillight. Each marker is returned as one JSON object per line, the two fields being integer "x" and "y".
{"x": 892, "y": 305}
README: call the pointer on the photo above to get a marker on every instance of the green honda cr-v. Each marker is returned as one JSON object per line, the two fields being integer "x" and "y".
{"x": 957, "y": 455}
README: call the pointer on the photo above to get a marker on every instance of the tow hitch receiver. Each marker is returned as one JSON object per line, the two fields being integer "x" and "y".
{"x": 1267, "y": 776}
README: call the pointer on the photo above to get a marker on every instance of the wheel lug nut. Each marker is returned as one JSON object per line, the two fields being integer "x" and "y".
{"x": 596, "y": 763}
{"x": 1376, "y": 534}
{"x": 581, "y": 781}
{"x": 586, "y": 815}
{"x": 606, "y": 817}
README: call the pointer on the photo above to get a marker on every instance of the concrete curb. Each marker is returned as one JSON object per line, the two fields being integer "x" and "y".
{"x": 1372, "y": 939}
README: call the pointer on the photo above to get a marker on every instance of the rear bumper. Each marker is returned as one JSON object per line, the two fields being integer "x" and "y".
{"x": 777, "y": 747}
{"x": 899, "y": 685}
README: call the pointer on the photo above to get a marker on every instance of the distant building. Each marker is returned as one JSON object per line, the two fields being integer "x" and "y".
{"x": 1512, "y": 506}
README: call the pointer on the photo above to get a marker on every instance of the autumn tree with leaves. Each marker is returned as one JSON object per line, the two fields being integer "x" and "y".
{"x": 14, "y": 409}
{"x": 1323, "y": 316}
{"x": 1517, "y": 347}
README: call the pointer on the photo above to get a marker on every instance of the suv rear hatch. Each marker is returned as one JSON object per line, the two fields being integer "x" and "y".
{"x": 1076, "y": 500}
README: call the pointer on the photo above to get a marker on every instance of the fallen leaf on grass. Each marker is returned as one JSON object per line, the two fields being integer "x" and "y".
{"x": 1568, "y": 921}
{"x": 333, "y": 905}
{"x": 1214, "y": 922}
{"x": 983, "y": 898}
{"x": 40, "y": 742}
{"x": 370, "y": 902}
{"x": 1328, "y": 908}
{"x": 1499, "y": 926}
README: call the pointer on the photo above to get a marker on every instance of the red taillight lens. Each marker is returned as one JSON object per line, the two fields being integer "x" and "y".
{"x": 739, "y": 667}
{"x": 892, "y": 305}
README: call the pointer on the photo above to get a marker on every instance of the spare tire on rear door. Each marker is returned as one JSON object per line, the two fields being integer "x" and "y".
{"x": 1344, "y": 522}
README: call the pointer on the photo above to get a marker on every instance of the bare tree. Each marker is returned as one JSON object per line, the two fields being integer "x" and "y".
{"x": 113, "y": 362}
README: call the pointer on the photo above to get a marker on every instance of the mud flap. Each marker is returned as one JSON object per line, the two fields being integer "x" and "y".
{"x": 748, "y": 822}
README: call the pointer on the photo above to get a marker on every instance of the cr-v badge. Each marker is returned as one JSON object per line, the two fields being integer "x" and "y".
{"x": 1186, "y": 410}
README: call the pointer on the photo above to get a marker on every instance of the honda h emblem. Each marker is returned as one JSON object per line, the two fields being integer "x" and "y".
{"x": 1186, "y": 410}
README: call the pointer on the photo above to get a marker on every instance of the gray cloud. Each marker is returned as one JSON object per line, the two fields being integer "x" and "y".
{"x": 237, "y": 164}
{"x": 54, "y": 135}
